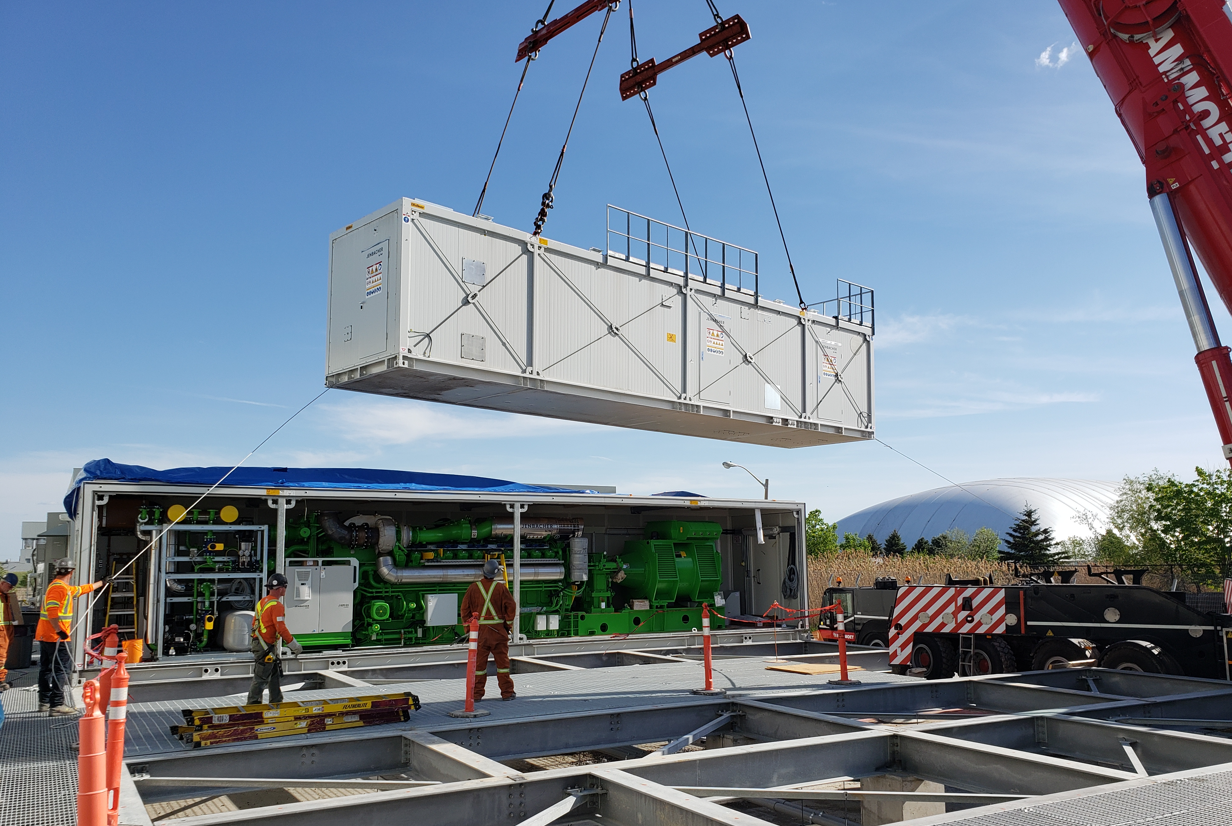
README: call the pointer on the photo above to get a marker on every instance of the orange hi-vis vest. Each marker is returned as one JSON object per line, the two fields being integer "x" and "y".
{"x": 57, "y": 613}
{"x": 267, "y": 623}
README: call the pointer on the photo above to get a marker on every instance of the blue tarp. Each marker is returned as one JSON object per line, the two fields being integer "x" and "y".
{"x": 296, "y": 477}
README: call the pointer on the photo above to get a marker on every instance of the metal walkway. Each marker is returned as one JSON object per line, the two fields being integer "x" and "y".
{"x": 630, "y": 744}
{"x": 38, "y": 759}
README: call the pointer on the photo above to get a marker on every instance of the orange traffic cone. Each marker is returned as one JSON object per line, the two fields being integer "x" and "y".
{"x": 117, "y": 713}
{"x": 91, "y": 762}
{"x": 111, "y": 644}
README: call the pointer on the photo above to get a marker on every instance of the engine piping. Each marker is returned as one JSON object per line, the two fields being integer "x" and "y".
{"x": 473, "y": 572}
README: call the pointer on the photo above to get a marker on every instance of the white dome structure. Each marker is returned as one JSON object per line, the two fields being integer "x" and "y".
{"x": 992, "y": 503}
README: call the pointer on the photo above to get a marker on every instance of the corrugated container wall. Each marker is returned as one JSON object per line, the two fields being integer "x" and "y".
{"x": 426, "y": 303}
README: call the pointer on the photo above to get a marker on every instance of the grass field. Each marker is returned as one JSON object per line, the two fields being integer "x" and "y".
{"x": 927, "y": 570}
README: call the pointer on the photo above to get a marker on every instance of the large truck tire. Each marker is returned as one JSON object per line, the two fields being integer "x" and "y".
{"x": 935, "y": 657}
{"x": 992, "y": 656}
{"x": 874, "y": 638}
{"x": 1136, "y": 655}
{"x": 1058, "y": 652}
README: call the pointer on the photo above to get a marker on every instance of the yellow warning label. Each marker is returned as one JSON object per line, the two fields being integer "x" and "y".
{"x": 671, "y": 338}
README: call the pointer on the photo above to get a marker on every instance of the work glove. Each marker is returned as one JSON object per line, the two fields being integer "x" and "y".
{"x": 295, "y": 647}
{"x": 62, "y": 635}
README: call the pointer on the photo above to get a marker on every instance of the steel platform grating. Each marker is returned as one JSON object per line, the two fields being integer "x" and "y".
{"x": 1192, "y": 799}
{"x": 1035, "y": 749}
{"x": 38, "y": 759}
{"x": 539, "y": 693}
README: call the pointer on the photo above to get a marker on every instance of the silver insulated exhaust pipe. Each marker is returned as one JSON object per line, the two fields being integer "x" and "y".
{"x": 463, "y": 572}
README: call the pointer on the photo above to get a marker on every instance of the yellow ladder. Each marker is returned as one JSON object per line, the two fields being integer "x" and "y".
{"x": 122, "y": 598}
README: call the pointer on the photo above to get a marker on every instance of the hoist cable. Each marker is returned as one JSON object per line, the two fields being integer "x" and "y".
{"x": 547, "y": 201}
{"x": 484, "y": 192}
{"x": 731, "y": 61}
{"x": 653, "y": 125}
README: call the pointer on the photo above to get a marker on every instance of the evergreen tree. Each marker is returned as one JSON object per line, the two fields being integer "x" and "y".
{"x": 921, "y": 546}
{"x": 873, "y": 544}
{"x": 939, "y": 544}
{"x": 1027, "y": 543}
{"x": 894, "y": 545}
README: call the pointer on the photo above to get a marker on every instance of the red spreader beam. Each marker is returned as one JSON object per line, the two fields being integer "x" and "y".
{"x": 539, "y": 37}
{"x": 714, "y": 41}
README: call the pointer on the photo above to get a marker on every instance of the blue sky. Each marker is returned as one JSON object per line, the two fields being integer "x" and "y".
{"x": 170, "y": 173}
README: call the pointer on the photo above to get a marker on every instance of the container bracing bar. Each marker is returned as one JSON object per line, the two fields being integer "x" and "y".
{"x": 1212, "y": 359}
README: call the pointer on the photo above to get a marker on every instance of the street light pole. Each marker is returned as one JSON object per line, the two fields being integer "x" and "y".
{"x": 765, "y": 483}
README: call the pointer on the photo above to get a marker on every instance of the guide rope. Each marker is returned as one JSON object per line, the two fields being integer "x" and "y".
{"x": 731, "y": 61}
{"x": 483, "y": 193}
{"x": 548, "y": 197}
{"x": 154, "y": 539}
{"x": 946, "y": 478}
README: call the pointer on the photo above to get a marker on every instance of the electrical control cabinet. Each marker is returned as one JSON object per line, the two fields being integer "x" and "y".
{"x": 320, "y": 600}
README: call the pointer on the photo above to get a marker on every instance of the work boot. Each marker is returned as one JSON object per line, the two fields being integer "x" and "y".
{"x": 63, "y": 711}
{"x": 510, "y": 697}
{"x": 43, "y": 707}
{"x": 4, "y": 685}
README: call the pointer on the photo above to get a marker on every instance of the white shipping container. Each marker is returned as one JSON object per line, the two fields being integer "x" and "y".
{"x": 427, "y": 303}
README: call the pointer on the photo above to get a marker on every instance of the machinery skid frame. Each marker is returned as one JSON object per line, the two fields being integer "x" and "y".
{"x": 1002, "y": 744}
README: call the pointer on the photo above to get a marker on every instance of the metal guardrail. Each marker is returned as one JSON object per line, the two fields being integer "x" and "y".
{"x": 854, "y": 303}
{"x": 667, "y": 248}
{"x": 663, "y": 247}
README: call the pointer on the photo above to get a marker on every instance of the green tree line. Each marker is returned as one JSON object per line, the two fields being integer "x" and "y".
{"x": 821, "y": 539}
{"x": 1161, "y": 521}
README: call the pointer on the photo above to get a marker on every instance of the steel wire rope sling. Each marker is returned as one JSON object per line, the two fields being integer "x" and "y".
{"x": 731, "y": 61}
{"x": 154, "y": 538}
{"x": 645, "y": 98}
{"x": 528, "y": 49}
{"x": 548, "y": 199}
{"x": 719, "y": 39}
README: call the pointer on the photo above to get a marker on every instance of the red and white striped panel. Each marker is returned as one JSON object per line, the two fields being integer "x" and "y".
{"x": 938, "y": 609}
{"x": 987, "y": 614}
{"x": 918, "y": 608}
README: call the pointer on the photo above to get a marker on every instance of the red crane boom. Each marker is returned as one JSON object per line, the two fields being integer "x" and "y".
{"x": 1167, "y": 64}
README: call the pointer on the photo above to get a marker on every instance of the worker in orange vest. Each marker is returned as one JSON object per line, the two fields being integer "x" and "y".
{"x": 10, "y": 613}
{"x": 267, "y": 628}
{"x": 497, "y": 612}
{"x": 54, "y": 626}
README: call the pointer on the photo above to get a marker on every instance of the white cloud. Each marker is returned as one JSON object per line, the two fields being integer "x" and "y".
{"x": 401, "y": 422}
{"x": 238, "y": 401}
{"x": 1050, "y": 61}
{"x": 913, "y": 329}
{"x": 967, "y": 395}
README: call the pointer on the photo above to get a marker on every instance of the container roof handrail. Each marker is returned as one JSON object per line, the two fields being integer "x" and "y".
{"x": 689, "y": 232}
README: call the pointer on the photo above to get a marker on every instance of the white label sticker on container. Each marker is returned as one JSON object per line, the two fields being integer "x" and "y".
{"x": 773, "y": 400}
{"x": 716, "y": 341}
{"x": 828, "y": 358}
{"x": 374, "y": 264}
